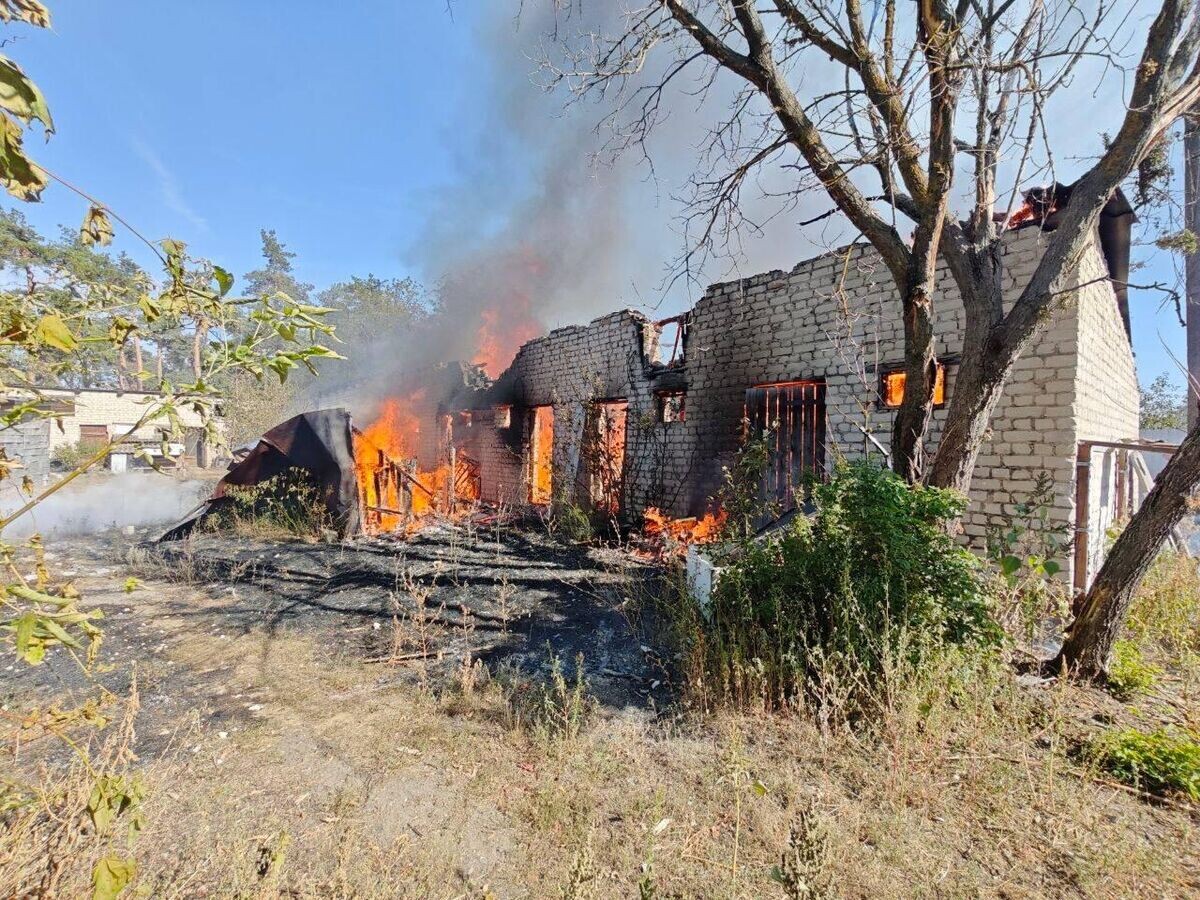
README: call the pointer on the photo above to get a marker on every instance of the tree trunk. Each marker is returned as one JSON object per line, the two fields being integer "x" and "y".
{"x": 1090, "y": 642}
{"x": 994, "y": 341}
{"x": 137, "y": 360}
{"x": 122, "y": 365}
{"x": 1191, "y": 221}
{"x": 920, "y": 363}
{"x": 920, "y": 373}
{"x": 158, "y": 347}
{"x": 198, "y": 341}
{"x": 976, "y": 261}
{"x": 978, "y": 386}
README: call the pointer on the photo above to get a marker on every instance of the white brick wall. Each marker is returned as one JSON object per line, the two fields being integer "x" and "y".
{"x": 1106, "y": 398}
{"x": 110, "y": 408}
{"x": 834, "y": 318}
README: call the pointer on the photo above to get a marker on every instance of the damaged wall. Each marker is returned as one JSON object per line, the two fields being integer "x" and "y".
{"x": 571, "y": 369}
{"x": 834, "y": 320}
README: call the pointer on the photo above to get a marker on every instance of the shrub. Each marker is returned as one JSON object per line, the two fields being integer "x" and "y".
{"x": 571, "y": 521}
{"x": 1128, "y": 673}
{"x": 871, "y": 585}
{"x": 741, "y": 498}
{"x": 1026, "y": 549}
{"x": 1164, "y": 760}
{"x": 69, "y": 457}
{"x": 288, "y": 503}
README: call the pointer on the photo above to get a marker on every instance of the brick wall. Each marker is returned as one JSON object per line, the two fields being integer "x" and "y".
{"x": 1106, "y": 398}
{"x": 835, "y": 318}
{"x": 569, "y": 369}
{"x": 29, "y": 444}
{"x": 110, "y": 408}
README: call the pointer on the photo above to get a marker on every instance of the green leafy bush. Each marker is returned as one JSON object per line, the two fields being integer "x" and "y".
{"x": 871, "y": 585}
{"x": 1027, "y": 548}
{"x": 1165, "y": 760}
{"x": 1128, "y": 673}
{"x": 572, "y": 522}
{"x": 69, "y": 457}
{"x": 288, "y": 503}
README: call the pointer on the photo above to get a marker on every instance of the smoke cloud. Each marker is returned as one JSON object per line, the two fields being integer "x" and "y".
{"x": 534, "y": 233}
{"x": 96, "y": 503}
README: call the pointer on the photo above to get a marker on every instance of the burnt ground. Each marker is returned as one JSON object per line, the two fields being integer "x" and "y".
{"x": 292, "y": 697}
{"x": 413, "y": 609}
{"x": 512, "y": 598}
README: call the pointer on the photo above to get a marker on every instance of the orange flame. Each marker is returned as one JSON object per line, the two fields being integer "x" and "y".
{"x": 541, "y": 486}
{"x": 507, "y": 324}
{"x": 502, "y": 332}
{"x": 383, "y": 459}
{"x": 678, "y": 534}
{"x": 397, "y": 430}
{"x": 394, "y": 491}
{"x": 385, "y": 452}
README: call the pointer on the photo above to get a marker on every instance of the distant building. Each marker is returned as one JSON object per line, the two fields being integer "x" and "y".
{"x": 92, "y": 417}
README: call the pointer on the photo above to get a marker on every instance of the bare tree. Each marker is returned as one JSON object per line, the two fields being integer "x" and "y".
{"x": 924, "y": 87}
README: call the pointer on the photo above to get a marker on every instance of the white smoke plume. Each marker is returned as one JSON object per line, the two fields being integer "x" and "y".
{"x": 98, "y": 502}
{"x": 533, "y": 233}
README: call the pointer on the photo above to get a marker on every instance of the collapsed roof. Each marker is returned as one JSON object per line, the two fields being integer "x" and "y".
{"x": 319, "y": 442}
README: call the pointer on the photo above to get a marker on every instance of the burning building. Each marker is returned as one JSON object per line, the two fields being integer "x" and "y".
{"x": 625, "y": 414}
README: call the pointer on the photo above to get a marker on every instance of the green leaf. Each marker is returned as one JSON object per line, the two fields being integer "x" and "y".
{"x": 31, "y": 596}
{"x": 224, "y": 280}
{"x": 1051, "y": 567}
{"x": 21, "y": 97}
{"x": 149, "y": 307}
{"x": 29, "y": 648}
{"x": 1009, "y": 564}
{"x": 175, "y": 259}
{"x": 97, "y": 229}
{"x": 111, "y": 875}
{"x": 53, "y": 331}
{"x": 59, "y": 633}
{"x": 324, "y": 352}
{"x": 102, "y": 813}
{"x": 120, "y": 329}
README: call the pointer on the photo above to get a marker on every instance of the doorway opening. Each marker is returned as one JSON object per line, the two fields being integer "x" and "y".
{"x": 541, "y": 456}
{"x": 605, "y": 455}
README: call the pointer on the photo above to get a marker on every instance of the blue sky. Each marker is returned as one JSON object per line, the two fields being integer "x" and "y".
{"x": 345, "y": 127}
{"x": 208, "y": 121}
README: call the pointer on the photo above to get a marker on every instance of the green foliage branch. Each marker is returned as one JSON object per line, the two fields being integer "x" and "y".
{"x": 44, "y": 336}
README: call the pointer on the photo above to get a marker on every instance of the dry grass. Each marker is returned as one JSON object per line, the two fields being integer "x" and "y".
{"x": 65, "y": 815}
{"x": 306, "y": 772}
{"x": 338, "y": 786}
